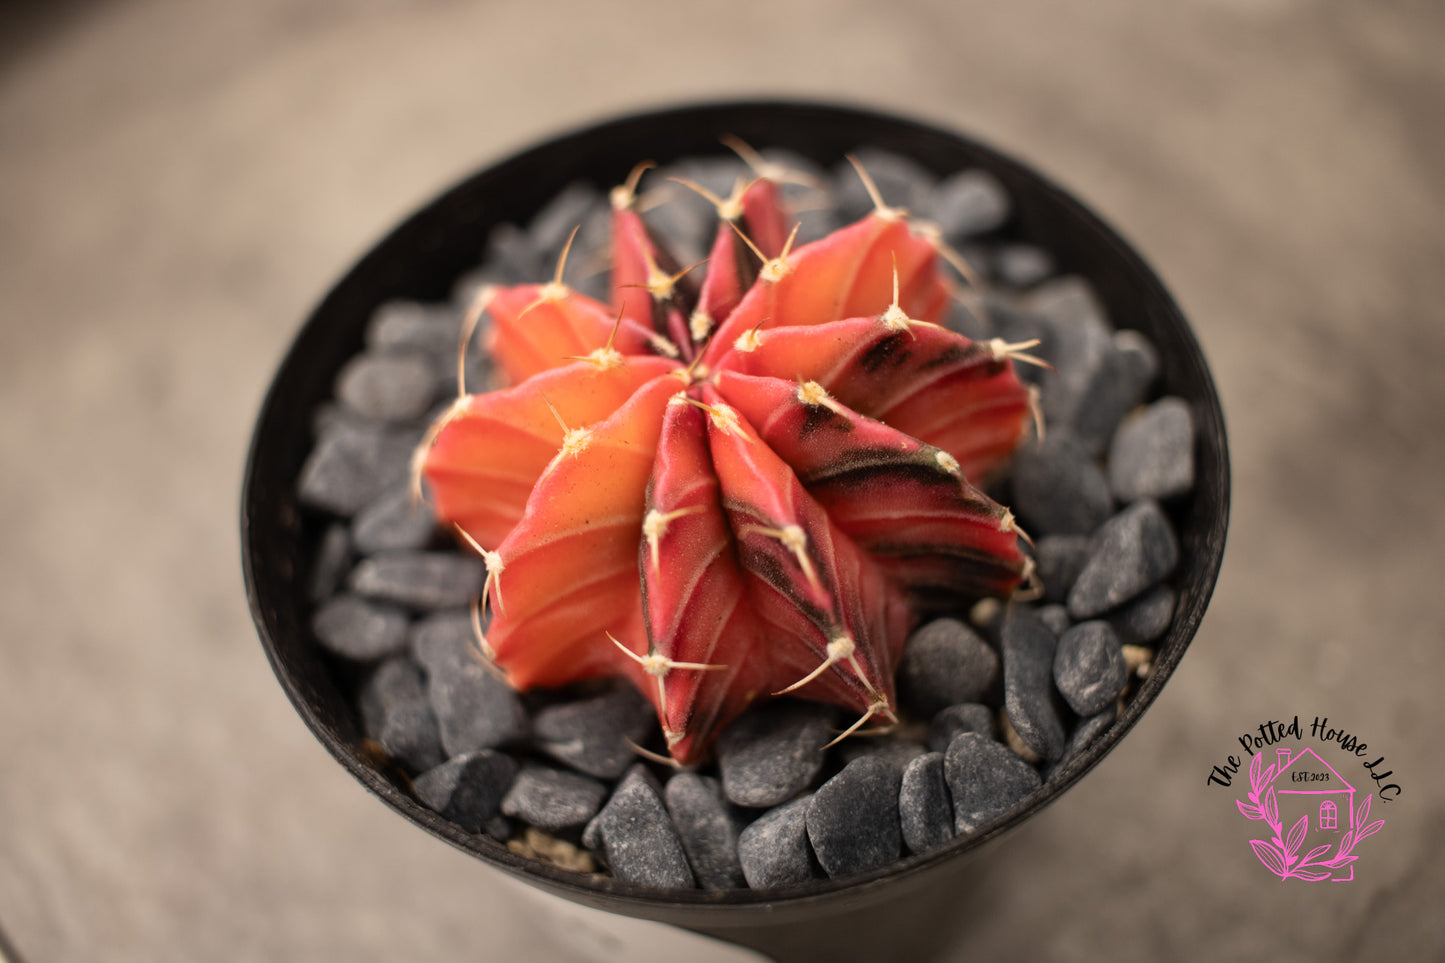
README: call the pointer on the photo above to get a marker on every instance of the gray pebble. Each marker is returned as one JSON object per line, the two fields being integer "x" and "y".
{"x": 394, "y": 712}
{"x": 1080, "y": 339}
{"x": 1028, "y": 661}
{"x": 773, "y": 751}
{"x": 969, "y": 202}
{"x": 592, "y": 835}
{"x": 966, "y": 317}
{"x": 774, "y": 851}
{"x": 924, "y": 809}
{"x": 499, "y": 828}
{"x": 1022, "y": 265}
{"x": 474, "y": 708}
{"x": 637, "y": 838}
{"x": 1010, "y": 320}
{"x": 708, "y": 829}
{"x": 1146, "y": 618}
{"x": 551, "y": 799}
{"x": 591, "y": 253}
{"x": 853, "y": 818}
{"x": 352, "y": 464}
{"x": 1131, "y": 552}
{"x": 480, "y": 371}
{"x": 464, "y": 294}
{"x": 1152, "y": 455}
{"x": 443, "y": 642}
{"x": 969, "y": 717}
{"x": 1120, "y": 383}
{"x": 897, "y": 753}
{"x": 592, "y": 735}
{"x": 985, "y": 780}
{"x": 467, "y": 789}
{"x": 330, "y": 414}
{"x": 902, "y": 182}
{"x": 1090, "y": 729}
{"x": 359, "y": 629}
{"x": 568, "y": 209}
{"x": 1058, "y": 489}
{"x": 394, "y": 522}
{"x": 945, "y": 663}
{"x": 411, "y": 326}
{"x": 420, "y": 580}
{"x": 1085, "y": 732}
{"x": 1056, "y": 617}
{"x": 594, "y": 285}
{"x": 388, "y": 387}
{"x": 333, "y": 558}
{"x": 513, "y": 257}
{"x": 1089, "y": 669}
{"x": 1059, "y": 560}
{"x": 685, "y": 224}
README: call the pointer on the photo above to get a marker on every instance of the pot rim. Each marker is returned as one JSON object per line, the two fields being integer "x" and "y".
{"x": 268, "y": 515}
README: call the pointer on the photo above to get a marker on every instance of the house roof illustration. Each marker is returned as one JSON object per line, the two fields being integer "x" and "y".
{"x": 1295, "y": 758}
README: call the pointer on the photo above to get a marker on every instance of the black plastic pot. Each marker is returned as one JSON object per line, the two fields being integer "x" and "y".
{"x": 421, "y": 259}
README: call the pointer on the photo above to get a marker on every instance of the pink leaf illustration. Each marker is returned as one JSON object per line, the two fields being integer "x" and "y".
{"x": 1347, "y": 842}
{"x": 1271, "y": 807}
{"x": 1370, "y": 830}
{"x": 1256, "y": 772}
{"x": 1312, "y": 875}
{"x": 1363, "y": 812}
{"x": 1250, "y": 812}
{"x": 1339, "y": 861}
{"x": 1296, "y": 836}
{"x": 1269, "y": 856}
{"x": 1315, "y": 853}
{"x": 1269, "y": 773}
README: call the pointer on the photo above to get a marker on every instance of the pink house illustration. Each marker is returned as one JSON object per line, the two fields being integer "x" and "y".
{"x": 1306, "y": 785}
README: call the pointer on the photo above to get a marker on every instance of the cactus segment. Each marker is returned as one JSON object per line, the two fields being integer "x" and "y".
{"x": 540, "y": 326}
{"x": 487, "y": 456}
{"x": 733, "y": 267}
{"x": 570, "y": 563}
{"x": 763, "y": 215}
{"x": 737, "y": 487}
{"x": 648, "y": 286}
{"x": 848, "y": 274}
{"x": 898, "y": 377}
{"x": 904, "y": 502}
{"x": 694, "y": 598}
{"x": 807, "y": 581}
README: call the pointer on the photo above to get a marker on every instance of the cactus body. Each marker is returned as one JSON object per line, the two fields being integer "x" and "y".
{"x": 732, "y": 484}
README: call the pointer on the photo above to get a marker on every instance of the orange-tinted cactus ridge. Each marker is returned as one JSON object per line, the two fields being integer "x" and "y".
{"x": 738, "y": 486}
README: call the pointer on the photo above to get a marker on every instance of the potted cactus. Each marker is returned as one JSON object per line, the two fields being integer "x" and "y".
{"x": 740, "y": 482}
{"x": 725, "y": 482}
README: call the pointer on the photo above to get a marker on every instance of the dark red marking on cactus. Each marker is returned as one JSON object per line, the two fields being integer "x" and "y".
{"x": 934, "y": 533}
{"x": 897, "y": 376}
{"x": 757, "y": 516}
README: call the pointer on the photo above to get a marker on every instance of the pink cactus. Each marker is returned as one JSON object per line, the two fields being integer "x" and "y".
{"x": 736, "y": 487}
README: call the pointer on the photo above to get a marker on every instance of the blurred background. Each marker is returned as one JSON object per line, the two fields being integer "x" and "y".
{"x": 181, "y": 181}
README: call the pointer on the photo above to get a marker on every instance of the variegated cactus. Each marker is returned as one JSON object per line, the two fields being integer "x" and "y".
{"x": 738, "y": 487}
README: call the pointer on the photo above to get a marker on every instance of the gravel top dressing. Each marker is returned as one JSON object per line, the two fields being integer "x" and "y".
{"x": 993, "y": 697}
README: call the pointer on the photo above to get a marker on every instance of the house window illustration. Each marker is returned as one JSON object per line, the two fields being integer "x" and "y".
{"x": 1327, "y": 815}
